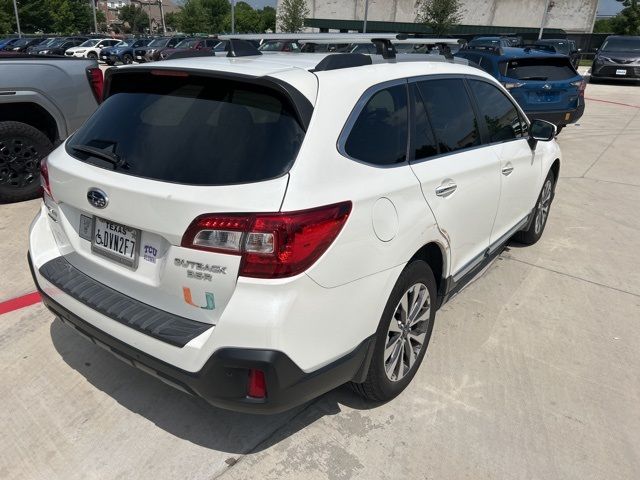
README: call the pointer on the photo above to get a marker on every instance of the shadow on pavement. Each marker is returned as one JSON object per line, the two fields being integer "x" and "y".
{"x": 188, "y": 417}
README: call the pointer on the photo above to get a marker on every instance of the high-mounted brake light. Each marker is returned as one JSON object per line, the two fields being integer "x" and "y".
{"x": 45, "y": 186}
{"x": 272, "y": 245}
{"x": 169, "y": 73}
{"x": 96, "y": 81}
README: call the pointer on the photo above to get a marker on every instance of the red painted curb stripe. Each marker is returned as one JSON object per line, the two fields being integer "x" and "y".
{"x": 612, "y": 103}
{"x": 19, "y": 302}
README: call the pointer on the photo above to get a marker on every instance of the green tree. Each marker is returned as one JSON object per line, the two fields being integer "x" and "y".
{"x": 194, "y": 18}
{"x": 248, "y": 20}
{"x": 172, "y": 20}
{"x": 440, "y": 15}
{"x": 217, "y": 11}
{"x": 603, "y": 25}
{"x": 268, "y": 15}
{"x": 135, "y": 17}
{"x": 6, "y": 20}
{"x": 292, "y": 14}
{"x": 627, "y": 22}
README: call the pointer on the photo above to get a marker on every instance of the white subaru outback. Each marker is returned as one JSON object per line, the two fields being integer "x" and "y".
{"x": 259, "y": 230}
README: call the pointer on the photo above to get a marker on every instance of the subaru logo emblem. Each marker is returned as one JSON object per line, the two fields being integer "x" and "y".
{"x": 546, "y": 86}
{"x": 97, "y": 198}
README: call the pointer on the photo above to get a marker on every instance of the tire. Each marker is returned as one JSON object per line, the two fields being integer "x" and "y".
{"x": 21, "y": 149}
{"x": 109, "y": 62}
{"x": 559, "y": 129}
{"x": 541, "y": 213}
{"x": 384, "y": 381}
{"x": 92, "y": 56}
{"x": 127, "y": 59}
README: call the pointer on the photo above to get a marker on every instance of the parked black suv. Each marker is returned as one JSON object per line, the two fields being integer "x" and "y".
{"x": 618, "y": 59}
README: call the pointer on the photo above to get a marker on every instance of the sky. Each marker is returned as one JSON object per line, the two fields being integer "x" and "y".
{"x": 261, "y": 3}
{"x": 609, "y": 7}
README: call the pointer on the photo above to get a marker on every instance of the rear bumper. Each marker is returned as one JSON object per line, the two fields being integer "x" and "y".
{"x": 558, "y": 117}
{"x": 223, "y": 380}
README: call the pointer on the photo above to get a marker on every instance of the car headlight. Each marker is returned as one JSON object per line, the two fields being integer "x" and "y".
{"x": 44, "y": 52}
{"x": 16, "y": 48}
{"x": 80, "y": 51}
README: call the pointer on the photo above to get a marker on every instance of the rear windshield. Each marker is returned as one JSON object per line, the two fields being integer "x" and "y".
{"x": 191, "y": 130}
{"x": 543, "y": 69}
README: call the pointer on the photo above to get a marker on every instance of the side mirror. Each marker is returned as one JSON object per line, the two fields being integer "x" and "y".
{"x": 541, "y": 131}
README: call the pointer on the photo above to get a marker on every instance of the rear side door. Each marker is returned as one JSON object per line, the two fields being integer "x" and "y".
{"x": 460, "y": 178}
{"x": 505, "y": 131}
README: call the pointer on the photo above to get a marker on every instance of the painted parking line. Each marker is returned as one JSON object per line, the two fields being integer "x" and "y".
{"x": 612, "y": 103}
{"x": 19, "y": 302}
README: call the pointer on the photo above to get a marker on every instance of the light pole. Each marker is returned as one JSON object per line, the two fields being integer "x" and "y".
{"x": 549, "y": 4}
{"x": 164, "y": 27}
{"x": 366, "y": 13}
{"x": 233, "y": 16}
{"x": 95, "y": 19}
{"x": 15, "y": 8}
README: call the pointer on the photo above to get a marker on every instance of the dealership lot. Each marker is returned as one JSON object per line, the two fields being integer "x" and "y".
{"x": 532, "y": 371}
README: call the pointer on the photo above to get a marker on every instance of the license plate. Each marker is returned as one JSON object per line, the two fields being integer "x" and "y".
{"x": 115, "y": 241}
{"x": 621, "y": 71}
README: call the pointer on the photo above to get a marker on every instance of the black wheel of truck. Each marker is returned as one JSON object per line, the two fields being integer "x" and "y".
{"x": 21, "y": 149}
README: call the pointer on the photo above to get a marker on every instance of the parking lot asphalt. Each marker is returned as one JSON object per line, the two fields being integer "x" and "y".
{"x": 532, "y": 372}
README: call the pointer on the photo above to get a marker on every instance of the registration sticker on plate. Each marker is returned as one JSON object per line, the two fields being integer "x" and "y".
{"x": 621, "y": 71}
{"x": 115, "y": 241}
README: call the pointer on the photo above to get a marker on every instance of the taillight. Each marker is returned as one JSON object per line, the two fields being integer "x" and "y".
{"x": 257, "y": 386}
{"x": 512, "y": 85}
{"x": 272, "y": 245}
{"x": 96, "y": 81}
{"x": 44, "y": 178}
{"x": 581, "y": 85}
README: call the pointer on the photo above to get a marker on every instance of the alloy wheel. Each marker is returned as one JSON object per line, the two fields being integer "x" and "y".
{"x": 19, "y": 162}
{"x": 407, "y": 332}
{"x": 544, "y": 204}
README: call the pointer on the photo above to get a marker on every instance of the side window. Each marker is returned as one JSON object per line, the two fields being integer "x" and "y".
{"x": 379, "y": 135}
{"x": 499, "y": 114}
{"x": 424, "y": 142}
{"x": 451, "y": 114}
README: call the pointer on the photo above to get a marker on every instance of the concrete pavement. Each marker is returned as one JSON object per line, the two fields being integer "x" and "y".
{"x": 532, "y": 372}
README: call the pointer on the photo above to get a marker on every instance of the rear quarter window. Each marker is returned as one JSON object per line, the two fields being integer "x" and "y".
{"x": 540, "y": 68}
{"x": 193, "y": 130}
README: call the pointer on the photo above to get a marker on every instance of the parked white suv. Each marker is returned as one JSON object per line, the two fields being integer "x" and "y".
{"x": 260, "y": 230}
{"x": 91, "y": 48}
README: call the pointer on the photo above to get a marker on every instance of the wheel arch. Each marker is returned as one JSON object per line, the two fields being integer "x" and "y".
{"x": 32, "y": 114}
{"x": 434, "y": 255}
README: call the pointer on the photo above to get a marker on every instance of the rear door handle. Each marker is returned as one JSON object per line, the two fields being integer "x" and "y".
{"x": 507, "y": 169}
{"x": 446, "y": 188}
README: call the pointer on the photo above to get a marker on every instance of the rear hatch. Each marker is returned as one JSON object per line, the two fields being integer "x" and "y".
{"x": 543, "y": 83}
{"x": 163, "y": 149}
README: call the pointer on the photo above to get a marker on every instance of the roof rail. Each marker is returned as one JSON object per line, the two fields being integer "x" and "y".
{"x": 238, "y": 47}
{"x": 336, "y": 61}
{"x": 324, "y": 38}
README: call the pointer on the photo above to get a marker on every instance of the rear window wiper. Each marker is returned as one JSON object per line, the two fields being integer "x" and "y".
{"x": 110, "y": 157}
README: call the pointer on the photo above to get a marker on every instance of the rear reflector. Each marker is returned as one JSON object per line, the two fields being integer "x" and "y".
{"x": 257, "y": 387}
{"x": 96, "y": 80}
{"x": 272, "y": 245}
{"x": 45, "y": 187}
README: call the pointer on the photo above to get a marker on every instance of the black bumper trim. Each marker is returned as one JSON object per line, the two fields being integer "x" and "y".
{"x": 152, "y": 321}
{"x": 558, "y": 117}
{"x": 222, "y": 381}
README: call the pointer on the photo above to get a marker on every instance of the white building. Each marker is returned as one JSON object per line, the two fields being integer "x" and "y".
{"x": 573, "y": 16}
